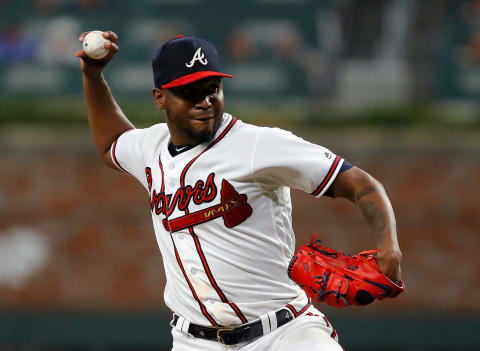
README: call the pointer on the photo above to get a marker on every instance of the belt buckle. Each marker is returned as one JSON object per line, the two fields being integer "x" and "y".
{"x": 219, "y": 330}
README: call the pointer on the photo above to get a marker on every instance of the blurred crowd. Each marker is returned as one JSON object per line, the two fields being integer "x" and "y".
{"x": 407, "y": 49}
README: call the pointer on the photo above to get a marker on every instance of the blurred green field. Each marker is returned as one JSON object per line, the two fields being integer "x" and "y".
{"x": 71, "y": 111}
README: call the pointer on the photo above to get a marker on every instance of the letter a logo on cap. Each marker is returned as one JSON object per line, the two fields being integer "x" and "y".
{"x": 199, "y": 56}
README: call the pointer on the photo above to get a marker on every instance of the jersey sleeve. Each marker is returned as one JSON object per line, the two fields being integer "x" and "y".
{"x": 281, "y": 158}
{"x": 128, "y": 153}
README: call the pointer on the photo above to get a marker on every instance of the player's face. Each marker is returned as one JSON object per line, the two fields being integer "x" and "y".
{"x": 194, "y": 111}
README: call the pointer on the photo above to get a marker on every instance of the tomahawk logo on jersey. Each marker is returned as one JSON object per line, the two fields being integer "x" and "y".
{"x": 233, "y": 207}
{"x": 221, "y": 198}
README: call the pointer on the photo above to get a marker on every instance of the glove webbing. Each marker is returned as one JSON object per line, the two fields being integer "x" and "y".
{"x": 321, "y": 293}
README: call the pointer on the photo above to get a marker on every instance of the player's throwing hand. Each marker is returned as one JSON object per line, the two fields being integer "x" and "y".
{"x": 91, "y": 66}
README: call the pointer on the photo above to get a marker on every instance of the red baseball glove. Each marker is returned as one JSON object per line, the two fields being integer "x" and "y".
{"x": 338, "y": 279}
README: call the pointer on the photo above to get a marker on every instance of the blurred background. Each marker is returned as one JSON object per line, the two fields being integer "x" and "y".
{"x": 391, "y": 85}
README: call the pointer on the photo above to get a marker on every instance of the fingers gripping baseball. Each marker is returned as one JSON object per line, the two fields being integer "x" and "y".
{"x": 90, "y": 65}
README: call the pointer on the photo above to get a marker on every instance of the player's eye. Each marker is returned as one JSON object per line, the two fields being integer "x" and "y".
{"x": 213, "y": 90}
{"x": 182, "y": 92}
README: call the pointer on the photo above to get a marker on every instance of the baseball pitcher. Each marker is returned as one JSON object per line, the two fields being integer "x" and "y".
{"x": 219, "y": 193}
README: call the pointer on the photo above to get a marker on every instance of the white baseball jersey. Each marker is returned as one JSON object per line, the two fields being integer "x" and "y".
{"x": 222, "y": 215}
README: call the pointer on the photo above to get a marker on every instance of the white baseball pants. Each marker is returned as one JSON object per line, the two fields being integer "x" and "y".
{"x": 310, "y": 331}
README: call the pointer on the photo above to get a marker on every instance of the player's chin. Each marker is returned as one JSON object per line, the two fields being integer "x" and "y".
{"x": 204, "y": 130}
{"x": 202, "y": 134}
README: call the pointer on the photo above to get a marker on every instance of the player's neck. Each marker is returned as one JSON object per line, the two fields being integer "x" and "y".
{"x": 175, "y": 150}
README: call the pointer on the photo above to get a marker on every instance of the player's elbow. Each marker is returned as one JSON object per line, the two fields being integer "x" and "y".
{"x": 107, "y": 159}
{"x": 366, "y": 185}
{"x": 376, "y": 183}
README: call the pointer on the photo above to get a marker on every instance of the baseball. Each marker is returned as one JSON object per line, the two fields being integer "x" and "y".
{"x": 93, "y": 45}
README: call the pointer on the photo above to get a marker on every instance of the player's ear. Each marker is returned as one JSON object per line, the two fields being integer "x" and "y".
{"x": 159, "y": 97}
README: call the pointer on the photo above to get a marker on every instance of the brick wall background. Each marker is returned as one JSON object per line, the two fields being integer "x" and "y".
{"x": 93, "y": 227}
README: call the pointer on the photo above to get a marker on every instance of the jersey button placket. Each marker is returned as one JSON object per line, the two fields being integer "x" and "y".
{"x": 171, "y": 181}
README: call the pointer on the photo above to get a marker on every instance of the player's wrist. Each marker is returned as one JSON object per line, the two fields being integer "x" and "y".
{"x": 93, "y": 76}
{"x": 389, "y": 263}
{"x": 388, "y": 244}
{"x": 392, "y": 254}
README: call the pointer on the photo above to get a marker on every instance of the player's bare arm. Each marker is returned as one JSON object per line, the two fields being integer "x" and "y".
{"x": 106, "y": 119}
{"x": 370, "y": 197}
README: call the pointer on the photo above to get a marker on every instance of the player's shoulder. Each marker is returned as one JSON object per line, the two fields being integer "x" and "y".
{"x": 159, "y": 129}
{"x": 144, "y": 141}
{"x": 154, "y": 133}
{"x": 249, "y": 128}
{"x": 264, "y": 131}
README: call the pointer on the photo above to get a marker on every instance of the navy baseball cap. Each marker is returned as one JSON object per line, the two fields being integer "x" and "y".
{"x": 184, "y": 60}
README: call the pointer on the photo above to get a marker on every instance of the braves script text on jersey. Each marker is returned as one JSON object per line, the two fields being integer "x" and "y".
{"x": 222, "y": 215}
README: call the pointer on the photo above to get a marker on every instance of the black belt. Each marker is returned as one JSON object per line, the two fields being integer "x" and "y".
{"x": 235, "y": 335}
